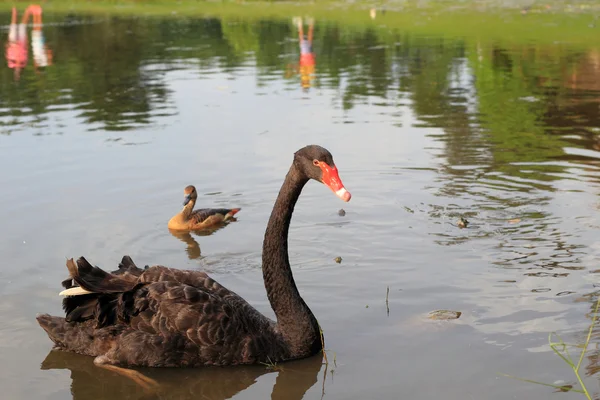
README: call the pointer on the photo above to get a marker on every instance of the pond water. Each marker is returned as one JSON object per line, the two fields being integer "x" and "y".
{"x": 97, "y": 148}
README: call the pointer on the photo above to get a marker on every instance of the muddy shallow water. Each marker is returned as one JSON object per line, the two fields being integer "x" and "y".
{"x": 97, "y": 148}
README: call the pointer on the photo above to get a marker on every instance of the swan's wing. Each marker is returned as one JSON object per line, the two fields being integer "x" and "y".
{"x": 170, "y": 308}
{"x": 99, "y": 282}
{"x": 199, "y": 280}
{"x": 174, "y": 318}
{"x": 164, "y": 324}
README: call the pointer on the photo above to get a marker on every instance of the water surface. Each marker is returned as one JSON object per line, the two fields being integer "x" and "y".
{"x": 97, "y": 148}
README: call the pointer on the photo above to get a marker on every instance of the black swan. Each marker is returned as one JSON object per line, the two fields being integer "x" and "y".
{"x": 164, "y": 317}
{"x": 190, "y": 219}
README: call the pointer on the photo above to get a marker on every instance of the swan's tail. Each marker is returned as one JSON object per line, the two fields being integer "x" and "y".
{"x": 91, "y": 302}
{"x": 92, "y": 293}
{"x": 86, "y": 279}
{"x": 78, "y": 338}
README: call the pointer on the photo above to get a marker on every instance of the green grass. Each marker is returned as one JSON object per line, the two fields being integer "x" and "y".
{"x": 471, "y": 20}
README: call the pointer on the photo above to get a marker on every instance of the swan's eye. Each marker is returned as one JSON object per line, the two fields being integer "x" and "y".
{"x": 316, "y": 163}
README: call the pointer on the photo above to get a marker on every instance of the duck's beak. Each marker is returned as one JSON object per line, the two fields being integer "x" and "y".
{"x": 186, "y": 199}
{"x": 332, "y": 179}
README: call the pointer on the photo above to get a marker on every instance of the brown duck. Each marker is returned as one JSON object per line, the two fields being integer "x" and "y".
{"x": 164, "y": 317}
{"x": 190, "y": 219}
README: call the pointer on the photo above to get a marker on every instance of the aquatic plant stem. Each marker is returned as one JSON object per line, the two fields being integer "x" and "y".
{"x": 323, "y": 345}
{"x": 568, "y": 359}
{"x": 585, "y": 346}
{"x": 589, "y": 336}
{"x": 326, "y": 361}
{"x": 541, "y": 383}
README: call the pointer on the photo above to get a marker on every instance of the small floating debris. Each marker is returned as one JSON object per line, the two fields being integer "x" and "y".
{"x": 338, "y": 260}
{"x": 548, "y": 274}
{"x": 563, "y": 388}
{"x": 514, "y": 221}
{"x": 387, "y": 305}
{"x": 596, "y": 271}
{"x": 444, "y": 314}
{"x": 462, "y": 223}
{"x": 508, "y": 281}
{"x": 342, "y": 212}
{"x": 541, "y": 290}
{"x": 564, "y": 293}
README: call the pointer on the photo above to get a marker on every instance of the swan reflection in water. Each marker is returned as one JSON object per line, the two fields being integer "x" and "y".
{"x": 294, "y": 379}
{"x": 193, "y": 247}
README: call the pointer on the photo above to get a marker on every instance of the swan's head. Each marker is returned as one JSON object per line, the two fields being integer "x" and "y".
{"x": 190, "y": 194}
{"x": 317, "y": 163}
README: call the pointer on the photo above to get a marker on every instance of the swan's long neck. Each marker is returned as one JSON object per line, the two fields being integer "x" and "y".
{"x": 295, "y": 321}
{"x": 188, "y": 208}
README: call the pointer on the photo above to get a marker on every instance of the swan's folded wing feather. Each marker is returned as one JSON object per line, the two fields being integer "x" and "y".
{"x": 171, "y": 324}
{"x": 197, "y": 279}
{"x": 169, "y": 309}
{"x": 159, "y": 273}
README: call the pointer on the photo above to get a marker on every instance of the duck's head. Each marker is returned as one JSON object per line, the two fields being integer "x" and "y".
{"x": 317, "y": 163}
{"x": 190, "y": 194}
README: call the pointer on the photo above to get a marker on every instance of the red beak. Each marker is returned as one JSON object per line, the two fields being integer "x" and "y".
{"x": 333, "y": 181}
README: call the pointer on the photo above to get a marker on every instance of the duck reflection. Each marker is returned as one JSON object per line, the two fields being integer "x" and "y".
{"x": 193, "y": 247}
{"x": 88, "y": 381}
